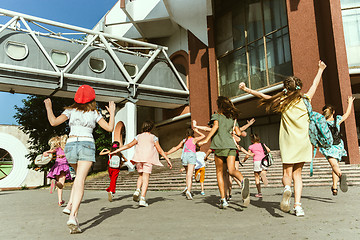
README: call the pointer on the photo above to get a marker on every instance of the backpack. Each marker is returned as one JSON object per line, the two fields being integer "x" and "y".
{"x": 319, "y": 132}
{"x": 114, "y": 161}
{"x": 335, "y": 133}
{"x": 268, "y": 160}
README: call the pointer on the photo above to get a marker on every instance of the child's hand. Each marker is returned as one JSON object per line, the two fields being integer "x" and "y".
{"x": 251, "y": 121}
{"x": 48, "y": 103}
{"x": 351, "y": 99}
{"x": 182, "y": 169}
{"x": 111, "y": 108}
{"x": 202, "y": 143}
{"x": 242, "y": 86}
{"x": 194, "y": 123}
{"x": 45, "y": 154}
{"x": 322, "y": 65}
{"x": 169, "y": 164}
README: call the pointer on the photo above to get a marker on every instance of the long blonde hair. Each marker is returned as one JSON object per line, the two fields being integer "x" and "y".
{"x": 85, "y": 107}
{"x": 58, "y": 141}
{"x": 282, "y": 100}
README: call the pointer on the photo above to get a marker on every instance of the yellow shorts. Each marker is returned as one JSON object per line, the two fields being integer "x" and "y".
{"x": 200, "y": 171}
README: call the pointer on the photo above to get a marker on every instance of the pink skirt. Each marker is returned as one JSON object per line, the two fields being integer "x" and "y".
{"x": 57, "y": 169}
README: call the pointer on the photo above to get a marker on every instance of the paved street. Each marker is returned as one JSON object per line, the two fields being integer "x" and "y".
{"x": 34, "y": 214}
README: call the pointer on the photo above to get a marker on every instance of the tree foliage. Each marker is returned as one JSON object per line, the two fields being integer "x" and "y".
{"x": 33, "y": 121}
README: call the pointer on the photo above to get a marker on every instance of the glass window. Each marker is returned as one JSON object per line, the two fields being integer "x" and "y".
{"x": 132, "y": 69}
{"x": 16, "y": 50}
{"x": 6, "y": 163}
{"x": 257, "y": 51}
{"x": 60, "y": 58}
{"x": 351, "y": 24}
{"x": 98, "y": 65}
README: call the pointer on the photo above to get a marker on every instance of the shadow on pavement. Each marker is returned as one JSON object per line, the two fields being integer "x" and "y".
{"x": 106, "y": 213}
{"x": 268, "y": 206}
{"x": 314, "y": 198}
{"x": 90, "y": 200}
{"x": 122, "y": 197}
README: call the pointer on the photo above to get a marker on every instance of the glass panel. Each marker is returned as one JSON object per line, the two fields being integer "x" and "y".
{"x": 131, "y": 69}
{"x": 254, "y": 21}
{"x": 61, "y": 59}
{"x": 6, "y": 163}
{"x": 351, "y": 23}
{"x": 274, "y": 15}
{"x": 97, "y": 64}
{"x": 257, "y": 64}
{"x": 238, "y": 26}
{"x": 224, "y": 38}
{"x": 278, "y": 56}
{"x": 350, "y": 3}
{"x": 17, "y": 51}
{"x": 232, "y": 71}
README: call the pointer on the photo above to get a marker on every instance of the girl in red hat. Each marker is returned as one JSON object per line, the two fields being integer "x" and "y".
{"x": 80, "y": 147}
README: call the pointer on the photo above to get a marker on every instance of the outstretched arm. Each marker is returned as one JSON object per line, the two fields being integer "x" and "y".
{"x": 162, "y": 153}
{"x": 174, "y": 149}
{"x": 127, "y": 146}
{"x": 204, "y": 128}
{"x": 211, "y": 133}
{"x": 348, "y": 110}
{"x": 258, "y": 94}
{"x": 199, "y": 137}
{"x": 104, "y": 151}
{"x": 248, "y": 153}
{"x": 54, "y": 121}
{"x": 249, "y": 123}
{"x": 317, "y": 79}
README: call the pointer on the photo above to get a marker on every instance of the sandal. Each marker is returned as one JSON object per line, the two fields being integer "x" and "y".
{"x": 334, "y": 191}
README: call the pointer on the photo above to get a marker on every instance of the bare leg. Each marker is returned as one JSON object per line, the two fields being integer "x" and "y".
{"x": 69, "y": 205}
{"x": 231, "y": 167}
{"x": 202, "y": 186}
{"x": 145, "y": 183}
{"x": 189, "y": 176}
{"x": 139, "y": 181}
{"x": 297, "y": 182}
{"x": 237, "y": 168}
{"x": 336, "y": 172}
{"x": 287, "y": 174}
{"x": 257, "y": 181}
{"x": 60, "y": 179}
{"x": 219, "y": 163}
{"x": 83, "y": 168}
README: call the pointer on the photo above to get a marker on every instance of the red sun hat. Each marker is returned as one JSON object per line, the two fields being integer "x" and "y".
{"x": 84, "y": 94}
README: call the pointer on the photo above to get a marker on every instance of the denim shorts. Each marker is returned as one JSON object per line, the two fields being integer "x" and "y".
{"x": 188, "y": 158}
{"x": 80, "y": 151}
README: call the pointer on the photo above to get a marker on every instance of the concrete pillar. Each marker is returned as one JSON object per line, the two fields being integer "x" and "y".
{"x": 128, "y": 116}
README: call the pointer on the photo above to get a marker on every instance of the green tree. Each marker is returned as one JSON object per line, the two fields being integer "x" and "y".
{"x": 33, "y": 121}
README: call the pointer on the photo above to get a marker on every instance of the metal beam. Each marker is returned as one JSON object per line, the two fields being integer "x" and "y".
{"x": 8, "y": 23}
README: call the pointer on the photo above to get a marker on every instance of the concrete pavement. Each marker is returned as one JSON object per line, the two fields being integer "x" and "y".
{"x": 34, "y": 214}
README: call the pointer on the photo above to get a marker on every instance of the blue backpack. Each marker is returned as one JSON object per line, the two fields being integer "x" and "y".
{"x": 319, "y": 132}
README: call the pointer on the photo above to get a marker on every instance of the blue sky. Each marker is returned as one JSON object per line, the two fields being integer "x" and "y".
{"x": 82, "y": 13}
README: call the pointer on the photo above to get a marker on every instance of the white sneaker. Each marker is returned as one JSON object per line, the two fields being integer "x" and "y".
{"x": 299, "y": 211}
{"x": 66, "y": 211}
{"x": 73, "y": 226}
{"x": 130, "y": 166}
{"x": 285, "y": 201}
{"x": 223, "y": 204}
{"x": 136, "y": 195}
{"x": 184, "y": 191}
{"x": 188, "y": 195}
{"x": 142, "y": 202}
{"x": 197, "y": 177}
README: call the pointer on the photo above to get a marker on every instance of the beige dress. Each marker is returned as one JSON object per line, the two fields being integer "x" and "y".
{"x": 145, "y": 150}
{"x": 295, "y": 145}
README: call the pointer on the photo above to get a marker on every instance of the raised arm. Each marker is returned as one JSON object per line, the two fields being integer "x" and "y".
{"x": 54, "y": 121}
{"x": 211, "y": 133}
{"x": 109, "y": 126}
{"x": 258, "y": 94}
{"x": 174, "y": 149}
{"x": 199, "y": 137}
{"x": 348, "y": 110}
{"x": 204, "y": 128}
{"x": 105, "y": 151}
{"x": 249, "y": 123}
{"x": 162, "y": 153}
{"x": 127, "y": 146}
{"x": 317, "y": 79}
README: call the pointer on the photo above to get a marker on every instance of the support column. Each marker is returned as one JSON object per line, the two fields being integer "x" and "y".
{"x": 128, "y": 116}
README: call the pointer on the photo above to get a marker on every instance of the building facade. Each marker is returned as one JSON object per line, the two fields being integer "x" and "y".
{"x": 219, "y": 43}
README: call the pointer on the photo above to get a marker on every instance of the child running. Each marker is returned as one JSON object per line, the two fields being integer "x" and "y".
{"x": 188, "y": 156}
{"x": 337, "y": 150}
{"x": 224, "y": 147}
{"x": 200, "y": 169}
{"x": 259, "y": 170}
{"x": 294, "y": 140}
{"x": 147, "y": 149}
{"x": 60, "y": 171}
{"x": 113, "y": 170}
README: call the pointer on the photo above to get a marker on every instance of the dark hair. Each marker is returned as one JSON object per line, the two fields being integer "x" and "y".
{"x": 85, "y": 107}
{"x": 226, "y": 107}
{"x": 282, "y": 100}
{"x": 255, "y": 138}
{"x": 189, "y": 133}
{"x": 147, "y": 126}
{"x": 115, "y": 145}
{"x": 328, "y": 111}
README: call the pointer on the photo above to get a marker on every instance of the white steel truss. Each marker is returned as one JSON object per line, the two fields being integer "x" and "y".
{"x": 95, "y": 39}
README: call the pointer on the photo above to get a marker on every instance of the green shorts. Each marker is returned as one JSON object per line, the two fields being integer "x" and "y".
{"x": 225, "y": 152}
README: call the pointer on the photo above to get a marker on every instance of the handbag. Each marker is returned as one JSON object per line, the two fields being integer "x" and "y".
{"x": 114, "y": 161}
{"x": 268, "y": 160}
{"x": 41, "y": 160}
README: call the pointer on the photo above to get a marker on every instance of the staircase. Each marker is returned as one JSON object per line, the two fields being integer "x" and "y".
{"x": 164, "y": 179}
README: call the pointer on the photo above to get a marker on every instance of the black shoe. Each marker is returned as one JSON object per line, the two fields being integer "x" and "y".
{"x": 343, "y": 183}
